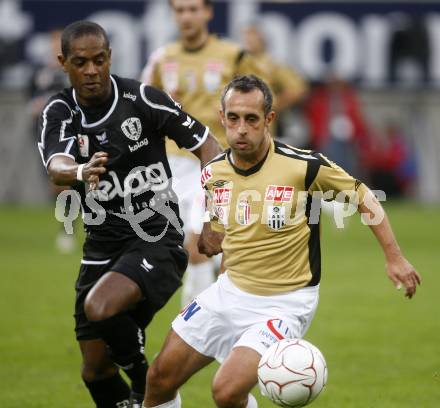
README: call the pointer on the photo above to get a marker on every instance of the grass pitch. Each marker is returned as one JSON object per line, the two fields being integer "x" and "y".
{"x": 382, "y": 350}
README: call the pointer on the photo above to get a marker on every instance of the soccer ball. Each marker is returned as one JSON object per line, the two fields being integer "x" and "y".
{"x": 292, "y": 373}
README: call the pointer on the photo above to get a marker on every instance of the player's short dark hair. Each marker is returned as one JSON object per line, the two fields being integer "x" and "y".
{"x": 208, "y": 3}
{"x": 248, "y": 83}
{"x": 79, "y": 29}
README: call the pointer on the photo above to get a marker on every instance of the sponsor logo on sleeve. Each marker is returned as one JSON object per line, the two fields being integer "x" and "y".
{"x": 222, "y": 196}
{"x": 206, "y": 175}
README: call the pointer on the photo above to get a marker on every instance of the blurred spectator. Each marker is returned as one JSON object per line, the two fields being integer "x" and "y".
{"x": 409, "y": 50}
{"x": 337, "y": 127}
{"x": 47, "y": 80}
{"x": 288, "y": 87}
{"x": 390, "y": 162}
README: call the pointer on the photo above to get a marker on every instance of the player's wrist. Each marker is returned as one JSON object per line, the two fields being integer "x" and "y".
{"x": 79, "y": 172}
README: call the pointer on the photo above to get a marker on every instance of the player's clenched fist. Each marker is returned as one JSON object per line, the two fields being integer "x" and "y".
{"x": 94, "y": 168}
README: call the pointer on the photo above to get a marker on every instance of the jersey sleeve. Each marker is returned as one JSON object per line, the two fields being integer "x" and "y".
{"x": 331, "y": 180}
{"x": 170, "y": 120}
{"x": 57, "y": 135}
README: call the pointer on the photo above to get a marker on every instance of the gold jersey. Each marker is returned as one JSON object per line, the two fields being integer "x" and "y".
{"x": 196, "y": 78}
{"x": 270, "y": 215}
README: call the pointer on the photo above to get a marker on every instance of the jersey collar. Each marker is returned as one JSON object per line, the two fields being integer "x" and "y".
{"x": 253, "y": 169}
{"x": 103, "y": 119}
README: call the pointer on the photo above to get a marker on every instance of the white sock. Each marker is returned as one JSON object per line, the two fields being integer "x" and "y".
{"x": 175, "y": 403}
{"x": 197, "y": 278}
{"x": 252, "y": 402}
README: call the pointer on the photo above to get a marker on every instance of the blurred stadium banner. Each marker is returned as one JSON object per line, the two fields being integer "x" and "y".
{"x": 355, "y": 39}
{"x": 391, "y": 50}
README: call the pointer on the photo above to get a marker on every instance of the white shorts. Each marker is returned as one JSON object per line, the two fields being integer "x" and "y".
{"x": 223, "y": 317}
{"x": 186, "y": 185}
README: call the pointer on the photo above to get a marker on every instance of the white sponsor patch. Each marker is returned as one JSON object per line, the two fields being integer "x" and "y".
{"x": 83, "y": 142}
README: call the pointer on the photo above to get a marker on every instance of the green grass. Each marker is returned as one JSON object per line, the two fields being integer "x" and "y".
{"x": 382, "y": 350}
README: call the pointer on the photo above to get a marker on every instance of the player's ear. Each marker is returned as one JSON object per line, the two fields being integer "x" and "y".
{"x": 270, "y": 118}
{"x": 62, "y": 61}
{"x": 110, "y": 56}
{"x": 222, "y": 117}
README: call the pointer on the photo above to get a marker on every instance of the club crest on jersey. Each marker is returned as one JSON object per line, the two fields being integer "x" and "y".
{"x": 276, "y": 216}
{"x": 132, "y": 128}
{"x": 282, "y": 194}
{"x": 83, "y": 143}
{"x": 243, "y": 212}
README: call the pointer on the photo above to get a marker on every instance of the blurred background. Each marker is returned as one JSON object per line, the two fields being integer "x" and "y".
{"x": 380, "y": 62}
{"x": 371, "y": 102}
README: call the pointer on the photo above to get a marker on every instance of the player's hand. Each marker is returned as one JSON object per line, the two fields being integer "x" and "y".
{"x": 401, "y": 272}
{"x": 210, "y": 242}
{"x": 94, "y": 168}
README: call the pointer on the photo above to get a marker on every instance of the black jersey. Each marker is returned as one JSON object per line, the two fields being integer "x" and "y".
{"x": 135, "y": 193}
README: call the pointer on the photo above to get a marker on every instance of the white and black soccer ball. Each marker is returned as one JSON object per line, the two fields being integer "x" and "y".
{"x": 292, "y": 373}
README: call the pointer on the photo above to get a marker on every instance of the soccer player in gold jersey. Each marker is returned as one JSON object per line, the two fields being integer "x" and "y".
{"x": 194, "y": 70}
{"x": 270, "y": 289}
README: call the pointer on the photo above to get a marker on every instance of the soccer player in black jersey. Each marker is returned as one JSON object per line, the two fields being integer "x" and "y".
{"x": 108, "y": 132}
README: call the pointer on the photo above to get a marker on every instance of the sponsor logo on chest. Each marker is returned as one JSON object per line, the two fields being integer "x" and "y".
{"x": 282, "y": 194}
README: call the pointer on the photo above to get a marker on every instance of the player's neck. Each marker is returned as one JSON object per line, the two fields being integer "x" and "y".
{"x": 197, "y": 42}
{"x": 247, "y": 162}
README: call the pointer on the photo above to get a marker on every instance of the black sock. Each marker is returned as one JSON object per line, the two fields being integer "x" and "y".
{"x": 111, "y": 392}
{"x": 126, "y": 342}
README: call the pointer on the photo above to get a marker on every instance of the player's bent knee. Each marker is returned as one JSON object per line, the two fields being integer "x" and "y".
{"x": 226, "y": 396}
{"x": 91, "y": 373}
{"x": 96, "y": 309}
{"x": 160, "y": 380}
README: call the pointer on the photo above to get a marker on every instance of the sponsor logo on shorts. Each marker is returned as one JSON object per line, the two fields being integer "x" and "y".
{"x": 278, "y": 328}
{"x": 190, "y": 310}
{"x": 147, "y": 266}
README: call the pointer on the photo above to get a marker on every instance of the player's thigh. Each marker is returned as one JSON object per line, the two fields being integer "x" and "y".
{"x": 97, "y": 363}
{"x": 237, "y": 375}
{"x": 176, "y": 362}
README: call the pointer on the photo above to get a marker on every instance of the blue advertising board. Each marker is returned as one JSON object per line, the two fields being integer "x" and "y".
{"x": 356, "y": 40}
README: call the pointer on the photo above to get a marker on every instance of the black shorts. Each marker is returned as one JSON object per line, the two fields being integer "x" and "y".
{"x": 156, "y": 267}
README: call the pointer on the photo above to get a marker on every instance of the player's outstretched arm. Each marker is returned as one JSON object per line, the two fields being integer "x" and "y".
{"x": 208, "y": 150}
{"x": 399, "y": 270}
{"x": 64, "y": 171}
